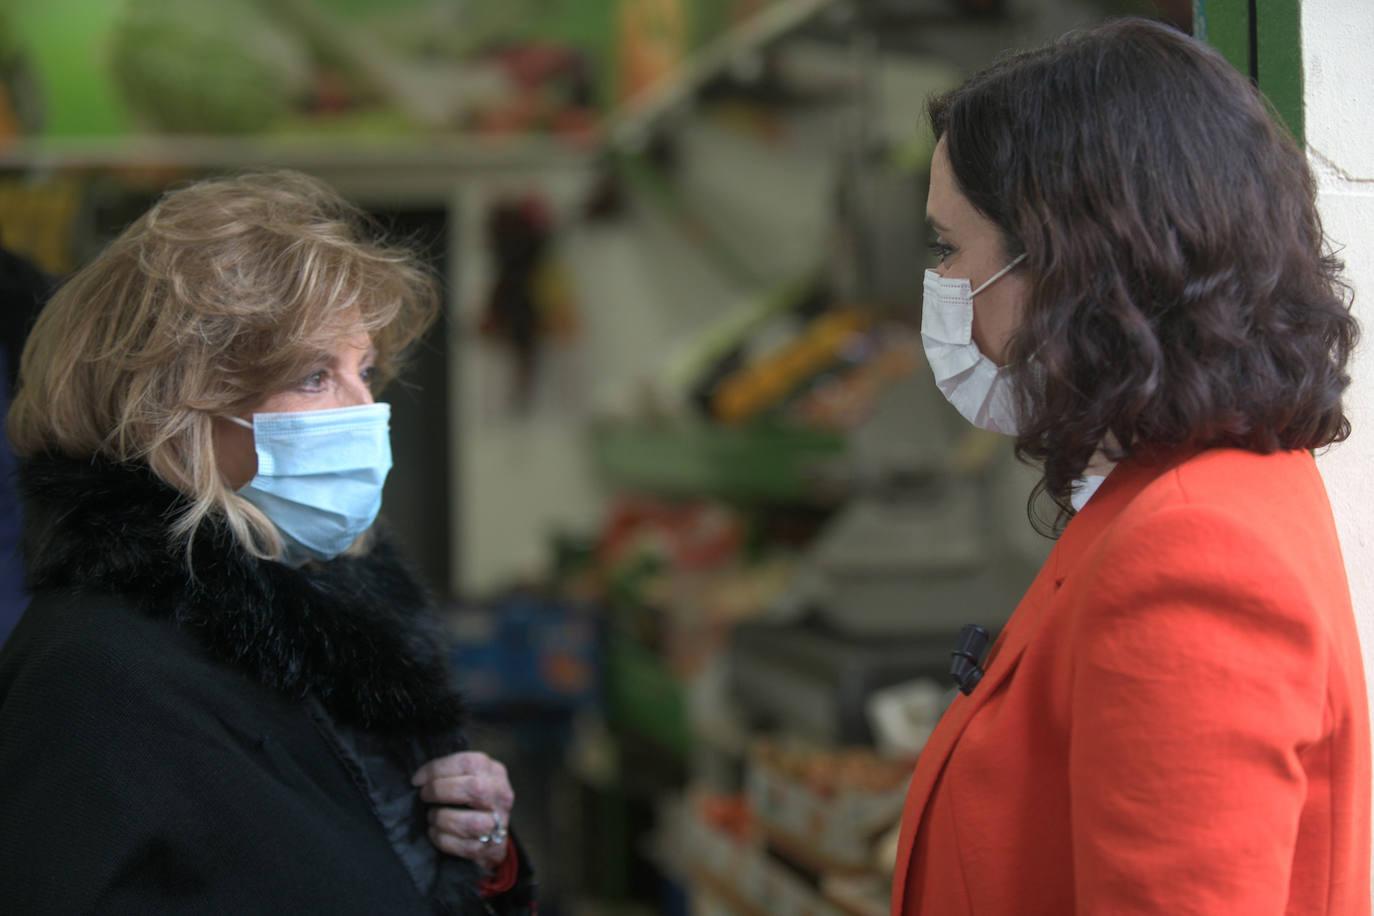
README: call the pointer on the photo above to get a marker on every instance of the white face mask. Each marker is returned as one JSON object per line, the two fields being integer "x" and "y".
{"x": 980, "y": 390}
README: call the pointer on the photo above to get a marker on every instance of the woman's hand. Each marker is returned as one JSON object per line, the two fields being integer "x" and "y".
{"x": 474, "y": 800}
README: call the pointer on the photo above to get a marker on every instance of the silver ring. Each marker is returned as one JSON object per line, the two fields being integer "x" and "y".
{"x": 485, "y": 839}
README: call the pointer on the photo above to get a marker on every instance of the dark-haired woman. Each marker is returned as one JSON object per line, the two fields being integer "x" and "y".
{"x": 1134, "y": 283}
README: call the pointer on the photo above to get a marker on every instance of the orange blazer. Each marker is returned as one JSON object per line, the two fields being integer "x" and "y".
{"x": 1174, "y": 721}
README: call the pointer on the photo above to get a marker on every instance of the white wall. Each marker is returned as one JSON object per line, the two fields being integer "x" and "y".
{"x": 1339, "y": 76}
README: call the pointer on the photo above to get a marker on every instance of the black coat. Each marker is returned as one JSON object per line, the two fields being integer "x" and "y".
{"x": 233, "y": 741}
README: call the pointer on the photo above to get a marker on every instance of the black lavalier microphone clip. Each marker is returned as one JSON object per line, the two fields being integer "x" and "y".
{"x": 968, "y": 657}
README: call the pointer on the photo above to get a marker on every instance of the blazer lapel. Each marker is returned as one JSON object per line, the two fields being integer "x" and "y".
{"x": 1116, "y": 492}
{"x": 1002, "y": 659}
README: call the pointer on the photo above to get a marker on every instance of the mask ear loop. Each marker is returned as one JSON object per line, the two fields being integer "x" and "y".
{"x": 239, "y": 420}
{"x": 997, "y": 276}
{"x": 1000, "y": 274}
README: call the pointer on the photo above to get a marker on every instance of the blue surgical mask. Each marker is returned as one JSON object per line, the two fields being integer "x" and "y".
{"x": 320, "y": 475}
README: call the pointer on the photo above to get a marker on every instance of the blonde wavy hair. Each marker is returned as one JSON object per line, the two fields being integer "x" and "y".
{"x": 226, "y": 291}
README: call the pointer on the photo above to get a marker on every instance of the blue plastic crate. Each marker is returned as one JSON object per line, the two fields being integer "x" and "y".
{"x": 526, "y": 650}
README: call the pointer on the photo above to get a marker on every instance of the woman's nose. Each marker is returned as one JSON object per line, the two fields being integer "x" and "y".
{"x": 355, "y": 394}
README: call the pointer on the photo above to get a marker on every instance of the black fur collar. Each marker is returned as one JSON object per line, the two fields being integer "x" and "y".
{"x": 357, "y": 633}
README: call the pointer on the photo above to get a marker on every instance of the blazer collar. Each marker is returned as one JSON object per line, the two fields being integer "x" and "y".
{"x": 1122, "y": 485}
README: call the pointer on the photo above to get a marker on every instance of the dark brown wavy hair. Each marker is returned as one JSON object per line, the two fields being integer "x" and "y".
{"x": 1183, "y": 293}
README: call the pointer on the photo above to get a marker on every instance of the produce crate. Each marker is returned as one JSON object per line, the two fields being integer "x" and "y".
{"x": 718, "y": 853}
{"x": 523, "y": 650}
{"x": 747, "y": 880}
{"x": 826, "y": 833}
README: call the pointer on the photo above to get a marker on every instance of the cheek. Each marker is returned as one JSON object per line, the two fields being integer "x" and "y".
{"x": 991, "y": 328}
{"x": 234, "y": 453}
{"x": 284, "y": 402}
{"x": 981, "y": 335}
{"x": 996, "y": 316}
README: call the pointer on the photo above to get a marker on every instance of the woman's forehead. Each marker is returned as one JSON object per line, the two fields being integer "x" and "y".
{"x": 347, "y": 331}
{"x": 947, "y": 208}
{"x": 358, "y": 340}
{"x": 943, "y": 202}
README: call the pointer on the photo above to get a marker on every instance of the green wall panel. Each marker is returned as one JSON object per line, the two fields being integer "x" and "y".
{"x": 1225, "y": 25}
{"x": 1278, "y": 30}
{"x": 1263, "y": 40}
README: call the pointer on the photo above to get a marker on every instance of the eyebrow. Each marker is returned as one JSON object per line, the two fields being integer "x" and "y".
{"x": 371, "y": 354}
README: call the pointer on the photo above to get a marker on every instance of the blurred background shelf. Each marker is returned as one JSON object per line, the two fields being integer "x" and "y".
{"x": 454, "y": 153}
{"x": 765, "y": 464}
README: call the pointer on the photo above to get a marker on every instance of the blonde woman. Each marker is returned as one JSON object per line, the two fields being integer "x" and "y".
{"x": 227, "y": 695}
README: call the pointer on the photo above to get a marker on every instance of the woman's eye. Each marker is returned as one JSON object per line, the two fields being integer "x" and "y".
{"x": 315, "y": 380}
{"x": 369, "y": 375}
{"x": 941, "y": 251}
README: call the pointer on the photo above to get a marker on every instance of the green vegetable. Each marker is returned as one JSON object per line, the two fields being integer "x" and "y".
{"x": 207, "y": 66}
